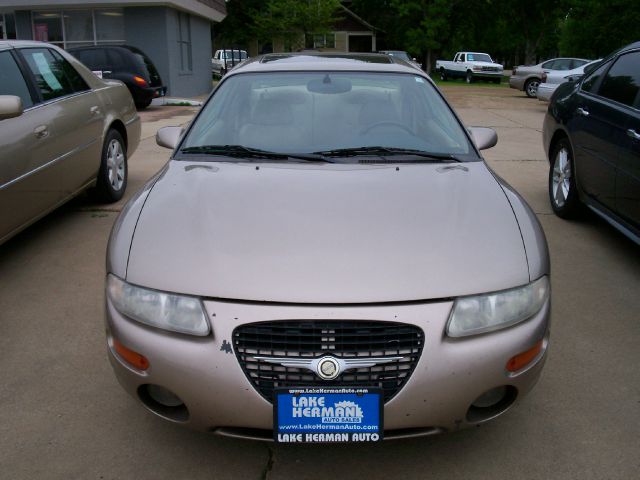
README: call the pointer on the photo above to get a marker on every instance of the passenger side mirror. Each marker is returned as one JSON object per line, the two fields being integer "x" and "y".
{"x": 10, "y": 106}
{"x": 483, "y": 137}
{"x": 168, "y": 137}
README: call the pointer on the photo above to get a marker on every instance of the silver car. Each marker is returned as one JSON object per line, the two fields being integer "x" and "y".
{"x": 527, "y": 77}
{"x": 62, "y": 130}
{"x": 551, "y": 80}
{"x": 326, "y": 257}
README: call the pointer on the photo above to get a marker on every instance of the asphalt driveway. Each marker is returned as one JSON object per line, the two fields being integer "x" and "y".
{"x": 63, "y": 415}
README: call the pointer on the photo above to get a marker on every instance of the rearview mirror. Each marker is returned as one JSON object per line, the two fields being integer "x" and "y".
{"x": 329, "y": 85}
{"x": 10, "y": 106}
{"x": 483, "y": 137}
{"x": 168, "y": 137}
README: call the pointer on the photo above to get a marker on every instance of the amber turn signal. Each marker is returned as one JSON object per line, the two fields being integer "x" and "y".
{"x": 523, "y": 359}
{"x": 132, "y": 358}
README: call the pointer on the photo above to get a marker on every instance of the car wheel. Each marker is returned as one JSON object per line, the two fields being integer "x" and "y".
{"x": 562, "y": 181}
{"x": 469, "y": 77}
{"x": 112, "y": 176}
{"x": 531, "y": 87}
{"x": 443, "y": 75}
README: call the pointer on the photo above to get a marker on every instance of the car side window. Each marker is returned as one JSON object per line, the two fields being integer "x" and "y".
{"x": 461, "y": 57}
{"x": 563, "y": 64}
{"x": 55, "y": 77}
{"x": 622, "y": 81}
{"x": 550, "y": 64}
{"x": 592, "y": 82}
{"x": 12, "y": 81}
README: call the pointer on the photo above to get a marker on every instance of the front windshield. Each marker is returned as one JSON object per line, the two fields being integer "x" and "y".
{"x": 307, "y": 112}
{"x": 479, "y": 57}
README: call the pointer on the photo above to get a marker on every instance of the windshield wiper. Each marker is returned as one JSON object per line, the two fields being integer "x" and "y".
{"x": 388, "y": 151}
{"x": 239, "y": 151}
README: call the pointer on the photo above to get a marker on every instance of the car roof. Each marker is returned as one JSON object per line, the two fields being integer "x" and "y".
{"x": 313, "y": 61}
{"x": 5, "y": 44}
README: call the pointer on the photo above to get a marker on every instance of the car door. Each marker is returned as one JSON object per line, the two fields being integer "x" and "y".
{"x": 25, "y": 152}
{"x": 73, "y": 116}
{"x": 597, "y": 129}
{"x": 621, "y": 86}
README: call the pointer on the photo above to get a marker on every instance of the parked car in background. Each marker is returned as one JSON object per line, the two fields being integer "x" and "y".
{"x": 225, "y": 60}
{"x": 551, "y": 80}
{"x": 592, "y": 138}
{"x": 127, "y": 64}
{"x": 527, "y": 77}
{"x": 471, "y": 66}
{"x": 402, "y": 55}
{"x": 62, "y": 130}
{"x": 326, "y": 233}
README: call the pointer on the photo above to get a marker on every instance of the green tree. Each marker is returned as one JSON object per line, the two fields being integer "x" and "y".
{"x": 593, "y": 29}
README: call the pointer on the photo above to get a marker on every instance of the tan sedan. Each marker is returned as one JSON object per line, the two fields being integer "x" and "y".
{"x": 62, "y": 130}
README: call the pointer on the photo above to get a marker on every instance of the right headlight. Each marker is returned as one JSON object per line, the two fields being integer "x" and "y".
{"x": 168, "y": 311}
{"x": 484, "y": 313}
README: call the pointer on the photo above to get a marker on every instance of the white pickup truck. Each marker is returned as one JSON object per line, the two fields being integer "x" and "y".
{"x": 470, "y": 66}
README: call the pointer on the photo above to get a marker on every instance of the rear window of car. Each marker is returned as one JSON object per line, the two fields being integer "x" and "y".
{"x": 12, "y": 81}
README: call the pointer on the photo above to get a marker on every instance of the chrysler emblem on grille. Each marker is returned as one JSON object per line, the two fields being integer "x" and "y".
{"x": 328, "y": 367}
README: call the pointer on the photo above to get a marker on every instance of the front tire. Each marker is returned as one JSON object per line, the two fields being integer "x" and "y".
{"x": 112, "y": 176}
{"x": 443, "y": 75}
{"x": 563, "y": 193}
{"x": 469, "y": 77}
{"x": 531, "y": 87}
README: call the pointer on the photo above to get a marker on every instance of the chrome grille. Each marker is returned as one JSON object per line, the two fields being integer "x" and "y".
{"x": 313, "y": 339}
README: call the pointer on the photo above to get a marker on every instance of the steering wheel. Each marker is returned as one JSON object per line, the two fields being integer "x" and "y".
{"x": 386, "y": 123}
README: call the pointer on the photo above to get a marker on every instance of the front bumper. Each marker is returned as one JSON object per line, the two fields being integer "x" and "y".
{"x": 545, "y": 90}
{"x": 204, "y": 371}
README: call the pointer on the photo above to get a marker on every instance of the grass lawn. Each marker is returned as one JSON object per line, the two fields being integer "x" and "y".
{"x": 477, "y": 83}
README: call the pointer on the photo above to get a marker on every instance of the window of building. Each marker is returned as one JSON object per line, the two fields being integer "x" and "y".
{"x": 79, "y": 27}
{"x": 320, "y": 41}
{"x": 184, "y": 42}
{"x": 7, "y": 26}
{"x": 109, "y": 25}
{"x": 47, "y": 27}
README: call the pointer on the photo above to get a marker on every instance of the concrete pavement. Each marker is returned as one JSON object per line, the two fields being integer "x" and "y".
{"x": 63, "y": 415}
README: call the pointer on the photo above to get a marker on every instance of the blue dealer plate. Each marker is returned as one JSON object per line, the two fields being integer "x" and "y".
{"x": 327, "y": 415}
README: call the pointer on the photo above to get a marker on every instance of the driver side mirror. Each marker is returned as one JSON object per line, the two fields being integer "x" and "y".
{"x": 483, "y": 137}
{"x": 168, "y": 137}
{"x": 10, "y": 106}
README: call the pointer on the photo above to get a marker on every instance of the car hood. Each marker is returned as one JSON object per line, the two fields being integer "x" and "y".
{"x": 487, "y": 64}
{"x": 309, "y": 233}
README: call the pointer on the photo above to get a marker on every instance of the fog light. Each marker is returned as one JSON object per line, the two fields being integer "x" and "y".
{"x": 163, "y": 402}
{"x": 490, "y": 398}
{"x": 163, "y": 396}
{"x": 491, "y": 404}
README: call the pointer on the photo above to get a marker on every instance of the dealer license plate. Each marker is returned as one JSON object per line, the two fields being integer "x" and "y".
{"x": 327, "y": 415}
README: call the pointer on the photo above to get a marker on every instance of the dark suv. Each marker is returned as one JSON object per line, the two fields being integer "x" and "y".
{"x": 592, "y": 137}
{"x": 127, "y": 64}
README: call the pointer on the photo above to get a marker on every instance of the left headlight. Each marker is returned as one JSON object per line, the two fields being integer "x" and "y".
{"x": 168, "y": 311}
{"x": 485, "y": 313}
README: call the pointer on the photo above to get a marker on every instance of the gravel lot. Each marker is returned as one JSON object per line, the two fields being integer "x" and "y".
{"x": 63, "y": 415}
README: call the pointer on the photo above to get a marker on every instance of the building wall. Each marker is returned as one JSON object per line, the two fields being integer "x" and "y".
{"x": 154, "y": 30}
